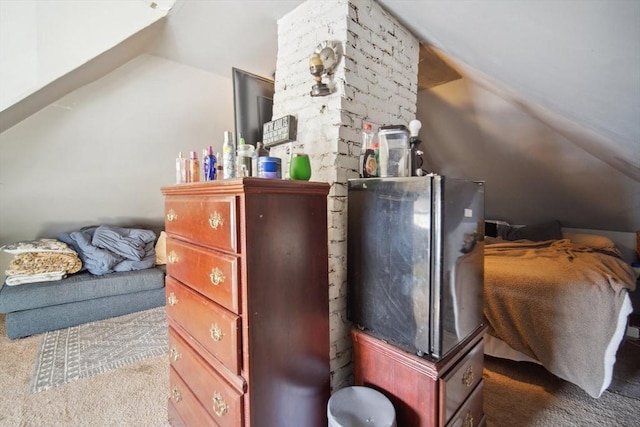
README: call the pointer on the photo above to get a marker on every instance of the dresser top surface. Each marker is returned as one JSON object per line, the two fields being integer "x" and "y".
{"x": 247, "y": 185}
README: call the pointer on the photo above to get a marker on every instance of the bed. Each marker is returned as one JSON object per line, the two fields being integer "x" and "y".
{"x": 558, "y": 300}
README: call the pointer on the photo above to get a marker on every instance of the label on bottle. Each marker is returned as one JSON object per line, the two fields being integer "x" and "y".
{"x": 206, "y": 166}
{"x": 212, "y": 169}
{"x": 369, "y": 164}
{"x": 228, "y": 161}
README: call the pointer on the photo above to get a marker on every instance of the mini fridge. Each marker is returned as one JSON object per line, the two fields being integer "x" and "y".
{"x": 415, "y": 255}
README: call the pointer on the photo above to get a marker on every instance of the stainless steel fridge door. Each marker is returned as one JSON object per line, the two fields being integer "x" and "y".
{"x": 389, "y": 259}
{"x": 457, "y": 263}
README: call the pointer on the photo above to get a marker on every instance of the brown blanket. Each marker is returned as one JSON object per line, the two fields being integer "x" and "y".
{"x": 559, "y": 303}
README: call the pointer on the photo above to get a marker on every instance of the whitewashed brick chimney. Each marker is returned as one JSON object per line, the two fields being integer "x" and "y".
{"x": 375, "y": 81}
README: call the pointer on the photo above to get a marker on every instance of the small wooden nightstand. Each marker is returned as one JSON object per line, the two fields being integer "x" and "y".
{"x": 445, "y": 392}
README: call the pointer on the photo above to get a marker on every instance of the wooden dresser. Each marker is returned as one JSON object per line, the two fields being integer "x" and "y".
{"x": 247, "y": 303}
{"x": 424, "y": 393}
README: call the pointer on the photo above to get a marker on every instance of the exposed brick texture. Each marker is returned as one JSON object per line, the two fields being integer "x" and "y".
{"x": 375, "y": 81}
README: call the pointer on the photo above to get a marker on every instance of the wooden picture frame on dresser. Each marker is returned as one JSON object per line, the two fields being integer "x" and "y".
{"x": 247, "y": 303}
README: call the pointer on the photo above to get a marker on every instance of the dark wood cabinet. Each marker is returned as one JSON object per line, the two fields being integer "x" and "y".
{"x": 247, "y": 303}
{"x": 424, "y": 392}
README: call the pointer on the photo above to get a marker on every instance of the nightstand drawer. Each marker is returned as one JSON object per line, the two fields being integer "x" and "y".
{"x": 184, "y": 405}
{"x": 213, "y": 274}
{"x": 209, "y": 220}
{"x": 462, "y": 379}
{"x": 471, "y": 413}
{"x": 223, "y": 403}
{"x": 214, "y": 328}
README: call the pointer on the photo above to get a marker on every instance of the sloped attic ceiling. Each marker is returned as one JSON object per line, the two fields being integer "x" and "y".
{"x": 577, "y": 59}
{"x": 575, "y": 65}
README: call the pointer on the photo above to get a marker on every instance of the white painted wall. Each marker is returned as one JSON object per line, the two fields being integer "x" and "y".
{"x": 100, "y": 154}
{"x": 43, "y": 40}
{"x": 533, "y": 172}
{"x": 553, "y": 164}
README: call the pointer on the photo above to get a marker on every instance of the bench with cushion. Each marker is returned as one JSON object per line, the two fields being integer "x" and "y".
{"x": 34, "y": 308}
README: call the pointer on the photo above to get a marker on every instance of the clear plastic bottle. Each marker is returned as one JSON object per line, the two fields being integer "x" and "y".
{"x": 244, "y": 159}
{"x": 219, "y": 167}
{"x": 229, "y": 156}
{"x": 368, "y": 158}
{"x": 181, "y": 173}
{"x": 254, "y": 160}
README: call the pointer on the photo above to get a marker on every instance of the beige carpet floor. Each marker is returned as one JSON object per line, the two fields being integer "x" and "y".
{"x": 515, "y": 395}
{"x": 519, "y": 394}
{"x": 135, "y": 395}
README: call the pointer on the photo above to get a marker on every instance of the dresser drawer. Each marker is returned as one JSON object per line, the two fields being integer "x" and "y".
{"x": 207, "y": 220}
{"x": 223, "y": 402}
{"x": 461, "y": 380}
{"x": 471, "y": 413}
{"x": 216, "y": 329}
{"x": 184, "y": 407}
{"x": 213, "y": 274}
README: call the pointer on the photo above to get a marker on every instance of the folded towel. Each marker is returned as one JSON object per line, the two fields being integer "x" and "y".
{"x": 43, "y": 262}
{"x": 41, "y": 245}
{"x": 21, "y": 279}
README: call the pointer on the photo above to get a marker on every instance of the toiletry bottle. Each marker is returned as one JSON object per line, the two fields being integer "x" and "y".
{"x": 229, "y": 156}
{"x": 254, "y": 159}
{"x": 194, "y": 167}
{"x": 205, "y": 165}
{"x": 244, "y": 158}
{"x": 219, "y": 167}
{"x": 383, "y": 156}
{"x": 180, "y": 172}
{"x": 368, "y": 159}
{"x": 211, "y": 166}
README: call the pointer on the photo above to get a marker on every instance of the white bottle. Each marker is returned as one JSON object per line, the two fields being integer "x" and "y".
{"x": 228, "y": 156}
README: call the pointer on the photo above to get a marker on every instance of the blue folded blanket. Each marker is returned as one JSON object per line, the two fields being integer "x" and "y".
{"x": 106, "y": 249}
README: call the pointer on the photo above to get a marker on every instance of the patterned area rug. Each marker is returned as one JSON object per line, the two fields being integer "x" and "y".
{"x": 67, "y": 355}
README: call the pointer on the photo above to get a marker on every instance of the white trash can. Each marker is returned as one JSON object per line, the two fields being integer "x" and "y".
{"x": 360, "y": 407}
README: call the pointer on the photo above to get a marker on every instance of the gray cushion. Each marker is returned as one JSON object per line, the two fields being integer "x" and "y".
{"x": 78, "y": 287}
{"x": 551, "y": 230}
{"x": 38, "y": 320}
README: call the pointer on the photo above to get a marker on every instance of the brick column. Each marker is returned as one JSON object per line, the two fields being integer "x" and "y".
{"x": 375, "y": 81}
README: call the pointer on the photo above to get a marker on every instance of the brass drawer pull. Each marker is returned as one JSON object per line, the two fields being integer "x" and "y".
{"x": 172, "y": 215}
{"x": 219, "y": 405}
{"x": 174, "y": 354}
{"x": 467, "y": 377}
{"x": 216, "y": 332}
{"x": 172, "y": 299}
{"x": 172, "y": 257}
{"x": 175, "y": 394}
{"x": 215, "y": 220}
{"x": 216, "y": 276}
{"x": 468, "y": 420}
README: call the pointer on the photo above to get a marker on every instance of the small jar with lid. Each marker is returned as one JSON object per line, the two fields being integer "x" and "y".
{"x": 244, "y": 159}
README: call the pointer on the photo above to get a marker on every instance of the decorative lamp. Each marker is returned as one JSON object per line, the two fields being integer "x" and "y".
{"x": 322, "y": 62}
